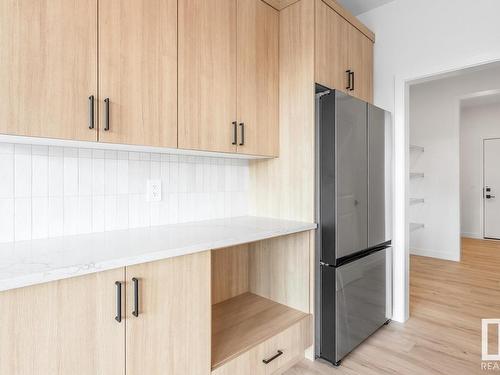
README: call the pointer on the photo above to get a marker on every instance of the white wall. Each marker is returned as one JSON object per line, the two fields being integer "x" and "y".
{"x": 50, "y": 191}
{"x": 416, "y": 39}
{"x": 476, "y": 123}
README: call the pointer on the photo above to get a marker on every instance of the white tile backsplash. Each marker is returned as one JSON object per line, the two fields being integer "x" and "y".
{"x": 48, "y": 191}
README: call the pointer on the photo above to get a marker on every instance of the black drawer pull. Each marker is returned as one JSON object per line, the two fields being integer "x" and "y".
{"x": 136, "y": 297}
{"x": 91, "y": 112}
{"x": 242, "y": 125}
{"x": 269, "y": 360}
{"x": 118, "y": 316}
{"x": 235, "y": 133}
{"x": 106, "y": 114}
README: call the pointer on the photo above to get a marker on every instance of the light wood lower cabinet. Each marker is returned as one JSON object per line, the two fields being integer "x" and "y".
{"x": 63, "y": 327}
{"x": 171, "y": 333}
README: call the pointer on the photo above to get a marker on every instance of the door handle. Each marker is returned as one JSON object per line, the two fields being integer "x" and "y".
{"x": 235, "y": 133}
{"x": 489, "y": 196}
{"x": 269, "y": 360}
{"x": 242, "y": 126}
{"x": 91, "y": 112}
{"x": 118, "y": 316}
{"x": 106, "y": 114}
{"x": 136, "y": 297}
{"x": 348, "y": 79}
{"x": 352, "y": 81}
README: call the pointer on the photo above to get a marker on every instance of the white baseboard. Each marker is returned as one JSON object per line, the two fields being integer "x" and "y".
{"x": 435, "y": 254}
{"x": 477, "y": 236}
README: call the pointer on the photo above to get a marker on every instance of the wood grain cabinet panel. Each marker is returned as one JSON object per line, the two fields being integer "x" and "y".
{"x": 258, "y": 78}
{"x": 48, "y": 67}
{"x": 361, "y": 63}
{"x": 138, "y": 71}
{"x": 331, "y": 50}
{"x": 171, "y": 334}
{"x": 207, "y": 75}
{"x": 341, "y": 47}
{"x": 63, "y": 327}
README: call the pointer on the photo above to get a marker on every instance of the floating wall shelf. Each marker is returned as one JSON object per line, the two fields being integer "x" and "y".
{"x": 416, "y": 226}
{"x": 417, "y": 200}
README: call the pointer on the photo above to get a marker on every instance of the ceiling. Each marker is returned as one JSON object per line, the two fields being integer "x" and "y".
{"x": 357, "y": 7}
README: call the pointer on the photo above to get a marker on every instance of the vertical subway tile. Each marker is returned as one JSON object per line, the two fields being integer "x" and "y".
{"x": 40, "y": 176}
{"x": 22, "y": 219}
{"x": 56, "y": 216}
{"x": 22, "y": 171}
{"x": 6, "y": 220}
{"x": 98, "y": 176}
{"x": 70, "y": 174}
{"x": 56, "y": 176}
{"x": 122, "y": 176}
{"x": 6, "y": 175}
{"x": 84, "y": 222}
{"x": 71, "y": 215}
{"x": 98, "y": 213}
{"x": 110, "y": 176}
{"x": 40, "y": 217}
{"x": 84, "y": 176}
{"x": 6, "y": 148}
{"x": 122, "y": 212}
{"x": 110, "y": 213}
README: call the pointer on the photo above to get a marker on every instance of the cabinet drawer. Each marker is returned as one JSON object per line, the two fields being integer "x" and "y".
{"x": 291, "y": 343}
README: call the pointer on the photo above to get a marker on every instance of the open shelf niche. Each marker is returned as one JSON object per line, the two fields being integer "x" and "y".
{"x": 258, "y": 290}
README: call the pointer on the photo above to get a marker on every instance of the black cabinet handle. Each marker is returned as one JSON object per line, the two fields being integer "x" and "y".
{"x": 348, "y": 79}
{"x": 269, "y": 360}
{"x": 352, "y": 81}
{"x": 91, "y": 112}
{"x": 118, "y": 316}
{"x": 242, "y": 126}
{"x": 106, "y": 114}
{"x": 235, "y": 133}
{"x": 136, "y": 297}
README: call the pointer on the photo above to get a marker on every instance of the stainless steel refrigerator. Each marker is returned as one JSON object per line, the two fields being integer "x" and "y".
{"x": 353, "y": 172}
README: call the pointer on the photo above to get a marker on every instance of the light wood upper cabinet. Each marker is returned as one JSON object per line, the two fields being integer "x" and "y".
{"x": 48, "y": 67}
{"x": 63, "y": 327}
{"x": 171, "y": 334}
{"x": 361, "y": 63}
{"x": 207, "y": 74}
{"x": 331, "y": 50}
{"x": 343, "y": 54}
{"x": 138, "y": 71}
{"x": 258, "y": 78}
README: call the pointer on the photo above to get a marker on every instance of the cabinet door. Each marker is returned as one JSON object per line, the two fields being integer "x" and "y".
{"x": 138, "y": 71}
{"x": 48, "y": 68}
{"x": 207, "y": 75}
{"x": 361, "y": 63}
{"x": 258, "y": 78}
{"x": 331, "y": 50}
{"x": 171, "y": 334}
{"x": 63, "y": 327}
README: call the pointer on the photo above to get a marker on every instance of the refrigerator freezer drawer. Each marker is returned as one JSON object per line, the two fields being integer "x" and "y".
{"x": 361, "y": 301}
{"x": 355, "y": 302}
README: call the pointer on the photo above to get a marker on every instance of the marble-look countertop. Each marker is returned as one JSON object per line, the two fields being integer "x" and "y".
{"x": 32, "y": 262}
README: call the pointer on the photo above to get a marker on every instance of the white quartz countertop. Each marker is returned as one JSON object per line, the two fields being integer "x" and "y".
{"x": 32, "y": 262}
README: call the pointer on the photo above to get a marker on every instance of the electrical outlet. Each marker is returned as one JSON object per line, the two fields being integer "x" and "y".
{"x": 154, "y": 190}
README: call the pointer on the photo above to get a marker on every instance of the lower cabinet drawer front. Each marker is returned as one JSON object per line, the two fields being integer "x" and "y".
{"x": 291, "y": 343}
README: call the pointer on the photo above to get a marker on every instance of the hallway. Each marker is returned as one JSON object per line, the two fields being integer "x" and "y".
{"x": 443, "y": 334}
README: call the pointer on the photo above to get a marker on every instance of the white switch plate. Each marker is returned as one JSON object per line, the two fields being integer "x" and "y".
{"x": 154, "y": 190}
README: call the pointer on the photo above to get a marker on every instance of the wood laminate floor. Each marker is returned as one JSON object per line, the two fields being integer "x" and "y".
{"x": 443, "y": 334}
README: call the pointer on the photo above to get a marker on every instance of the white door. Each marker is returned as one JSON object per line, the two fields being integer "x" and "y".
{"x": 492, "y": 188}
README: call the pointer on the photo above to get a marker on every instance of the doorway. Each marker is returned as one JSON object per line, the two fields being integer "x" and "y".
{"x": 491, "y": 178}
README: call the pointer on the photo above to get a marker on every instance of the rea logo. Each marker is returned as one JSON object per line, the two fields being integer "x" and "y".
{"x": 484, "y": 336}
